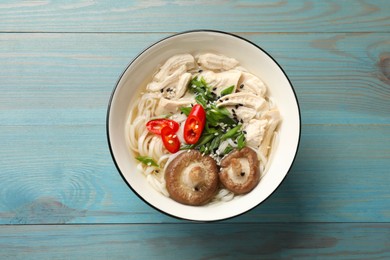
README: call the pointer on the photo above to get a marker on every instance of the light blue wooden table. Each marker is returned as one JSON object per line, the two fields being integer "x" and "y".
{"x": 61, "y": 196}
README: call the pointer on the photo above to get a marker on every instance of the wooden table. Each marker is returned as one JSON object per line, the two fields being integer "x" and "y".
{"x": 61, "y": 196}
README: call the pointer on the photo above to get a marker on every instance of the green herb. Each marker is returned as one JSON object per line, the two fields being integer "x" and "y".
{"x": 216, "y": 115}
{"x": 241, "y": 141}
{"x": 228, "y": 149}
{"x": 215, "y": 143}
{"x": 186, "y": 110}
{"x": 213, "y": 134}
{"x": 204, "y": 139}
{"x": 147, "y": 161}
{"x": 200, "y": 99}
{"x": 200, "y": 88}
{"x": 187, "y": 146}
{"x": 227, "y": 91}
{"x": 232, "y": 132}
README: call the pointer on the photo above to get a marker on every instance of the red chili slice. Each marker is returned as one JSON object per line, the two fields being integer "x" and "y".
{"x": 194, "y": 124}
{"x": 156, "y": 125}
{"x": 170, "y": 140}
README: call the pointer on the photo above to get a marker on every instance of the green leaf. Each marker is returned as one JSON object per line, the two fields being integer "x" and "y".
{"x": 227, "y": 91}
{"x": 212, "y": 134}
{"x": 227, "y": 150}
{"x": 241, "y": 141}
{"x": 204, "y": 139}
{"x": 215, "y": 143}
{"x": 147, "y": 161}
{"x": 186, "y": 110}
{"x": 187, "y": 146}
{"x": 231, "y": 132}
{"x": 201, "y": 100}
{"x": 217, "y": 115}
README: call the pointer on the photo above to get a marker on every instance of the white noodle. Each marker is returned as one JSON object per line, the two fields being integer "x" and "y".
{"x": 143, "y": 143}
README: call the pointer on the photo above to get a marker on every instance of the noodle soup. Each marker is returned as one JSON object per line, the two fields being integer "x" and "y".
{"x": 203, "y": 129}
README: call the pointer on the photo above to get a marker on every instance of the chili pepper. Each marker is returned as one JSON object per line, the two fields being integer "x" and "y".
{"x": 194, "y": 124}
{"x": 170, "y": 140}
{"x": 155, "y": 126}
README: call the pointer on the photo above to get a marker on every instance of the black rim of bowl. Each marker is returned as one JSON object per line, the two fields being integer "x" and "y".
{"x": 172, "y": 36}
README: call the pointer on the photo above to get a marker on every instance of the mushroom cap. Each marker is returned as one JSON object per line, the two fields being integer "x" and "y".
{"x": 240, "y": 171}
{"x": 191, "y": 178}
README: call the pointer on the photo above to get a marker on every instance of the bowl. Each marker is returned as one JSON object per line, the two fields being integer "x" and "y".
{"x": 251, "y": 57}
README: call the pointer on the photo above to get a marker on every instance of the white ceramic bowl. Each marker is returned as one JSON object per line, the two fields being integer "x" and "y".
{"x": 251, "y": 57}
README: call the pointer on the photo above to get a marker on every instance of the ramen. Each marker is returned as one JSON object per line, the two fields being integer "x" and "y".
{"x": 203, "y": 129}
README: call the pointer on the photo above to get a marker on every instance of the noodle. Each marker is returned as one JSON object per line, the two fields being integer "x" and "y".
{"x": 161, "y": 99}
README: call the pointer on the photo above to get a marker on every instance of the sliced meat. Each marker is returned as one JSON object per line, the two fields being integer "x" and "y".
{"x": 221, "y": 80}
{"x": 167, "y": 81}
{"x": 243, "y": 113}
{"x": 182, "y": 84}
{"x": 173, "y": 63}
{"x": 216, "y": 62}
{"x": 166, "y": 106}
{"x": 255, "y": 129}
{"x": 242, "y": 99}
{"x": 252, "y": 84}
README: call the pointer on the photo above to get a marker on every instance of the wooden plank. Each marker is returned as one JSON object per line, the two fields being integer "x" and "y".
{"x": 173, "y": 16}
{"x": 202, "y": 241}
{"x": 48, "y": 74}
{"x": 64, "y": 174}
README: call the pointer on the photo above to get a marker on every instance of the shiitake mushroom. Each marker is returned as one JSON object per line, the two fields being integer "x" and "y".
{"x": 239, "y": 171}
{"x": 191, "y": 178}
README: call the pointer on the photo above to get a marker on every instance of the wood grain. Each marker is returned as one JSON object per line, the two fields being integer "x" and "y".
{"x": 64, "y": 174}
{"x": 202, "y": 241}
{"x": 60, "y": 78}
{"x": 173, "y": 16}
{"x": 55, "y": 166}
{"x": 61, "y": 196}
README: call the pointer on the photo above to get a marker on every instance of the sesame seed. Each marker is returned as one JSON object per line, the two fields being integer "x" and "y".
{"x": 200, "y": 71}
{"x": 236, "y": 106}
{"x": 170, "y": 141}
{"x": 161, "y": 90}
{"x": 242, "y": 86}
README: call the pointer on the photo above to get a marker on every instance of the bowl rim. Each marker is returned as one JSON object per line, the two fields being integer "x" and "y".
{"x": 172, "y": 36}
